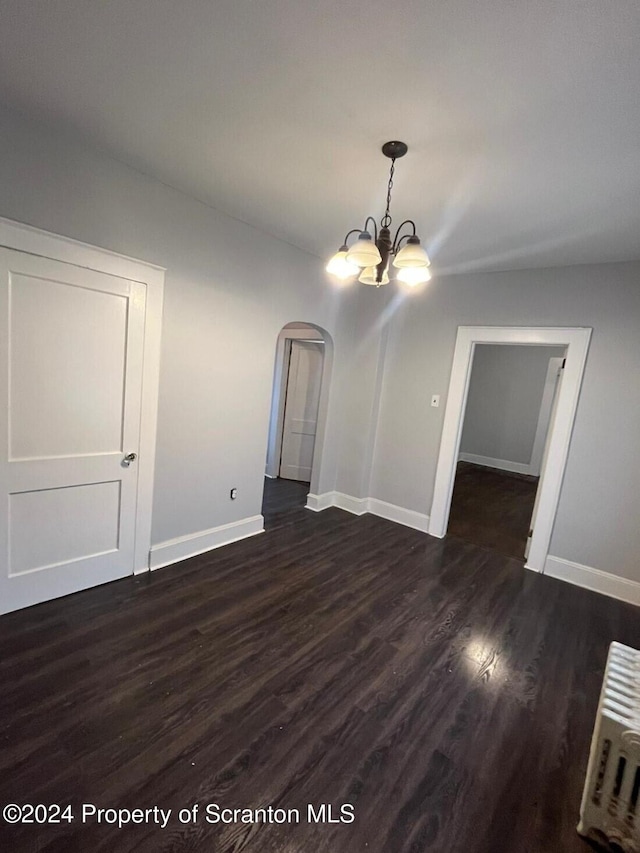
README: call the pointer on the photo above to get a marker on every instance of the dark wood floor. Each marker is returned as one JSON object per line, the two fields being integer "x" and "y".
{"x": 492, "y": 508}
{"x": 444, "y": 691}
{"x": 280, "y": 497}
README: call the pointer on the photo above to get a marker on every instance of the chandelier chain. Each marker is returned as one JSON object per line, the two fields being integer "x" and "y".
{"x": 386, "y": 219}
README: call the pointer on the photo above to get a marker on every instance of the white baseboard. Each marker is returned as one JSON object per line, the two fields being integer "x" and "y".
{"x": 317, "y": 503}
{"x": 357, "y": 506}
{"x": 501, "y": 464}
{"x": 594, "y": 579}
{"x": 174, "y": 550}
{"x": 407, "y": 517}
{"x": 360, "y": 506}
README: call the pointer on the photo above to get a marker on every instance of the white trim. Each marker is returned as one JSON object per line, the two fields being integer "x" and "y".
{"x": 501, "y": 464}
{"x": 406, "y": 517}
{"x": 356, "y": 506}
{"x": 577, "y": 342}
{"x": 183, "y": 547}
{"x": 544, "y": 414}
{"x": 46, "y": 244}
{"x": 310, "y": 332}
{"x": 301, "y": 390}
{"x": 278, "y": 397}
{"x": 148, "y": 423}
{"x": 594, "y": 579}
{"x": 33, "y": 241}
{"x": 360, "y": 506}
{"x": 318, "y": 503}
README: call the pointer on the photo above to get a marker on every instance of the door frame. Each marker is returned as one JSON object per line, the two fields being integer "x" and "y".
{"x": 577, "y": 342}
{"x": 544, "y": 414}
{"x": 279, "y": 394}
{"x": 34, "y": 241}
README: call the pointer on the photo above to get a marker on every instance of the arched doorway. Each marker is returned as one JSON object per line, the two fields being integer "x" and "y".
{"x": 304, "y": 353}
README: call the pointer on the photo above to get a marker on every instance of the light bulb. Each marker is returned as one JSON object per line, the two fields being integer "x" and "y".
{"x": 340, "y": 266}
{"x": 369, "y": 276}
{"x": 413, "y": 276}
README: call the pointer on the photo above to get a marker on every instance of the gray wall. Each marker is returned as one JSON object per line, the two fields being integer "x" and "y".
{"x": 597, "y": 521}
{"x": 229, "y": 291}
{"x": 505, "y": 393}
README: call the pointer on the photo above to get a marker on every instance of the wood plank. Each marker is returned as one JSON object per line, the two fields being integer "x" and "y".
{"x": 441, "y": 688}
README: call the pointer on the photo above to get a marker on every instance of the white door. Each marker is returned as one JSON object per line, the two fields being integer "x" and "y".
{"x": 71, "y": 352}
{"x": 301, "y": 410}
{"x": 559, "y": 372}
{"x": 544, "y": 415}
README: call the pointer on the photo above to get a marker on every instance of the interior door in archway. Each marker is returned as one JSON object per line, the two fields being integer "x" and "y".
{"x": 301, "y": 410}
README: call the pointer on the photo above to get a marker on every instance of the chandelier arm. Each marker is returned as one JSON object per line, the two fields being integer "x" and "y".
{"x": 349, "y": 233}
{"x": 396, "y": 243}
{"x": 375, "y": 227}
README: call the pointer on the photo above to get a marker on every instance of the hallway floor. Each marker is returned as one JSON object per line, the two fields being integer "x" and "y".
{"x": 280, "y": 497}
{"x": 492, "y": 508}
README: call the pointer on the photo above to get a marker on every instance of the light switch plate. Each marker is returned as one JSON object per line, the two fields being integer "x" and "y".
{"x": 435, "y": 401}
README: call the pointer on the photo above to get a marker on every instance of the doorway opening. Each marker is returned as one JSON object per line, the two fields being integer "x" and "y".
{"x": 510, "y": 406}
{"x": 296, "y": 427}
{"x": 555, "y": 448}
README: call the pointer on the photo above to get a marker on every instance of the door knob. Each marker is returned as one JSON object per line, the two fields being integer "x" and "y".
{"x": 129, "y": 458}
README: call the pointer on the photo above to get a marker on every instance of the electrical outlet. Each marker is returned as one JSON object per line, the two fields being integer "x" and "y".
{"x": 435, "y": 400}
{"x": 233, "y": 494}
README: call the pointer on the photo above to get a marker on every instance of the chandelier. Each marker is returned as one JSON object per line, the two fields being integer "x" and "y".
{"x": 369, "y": 256}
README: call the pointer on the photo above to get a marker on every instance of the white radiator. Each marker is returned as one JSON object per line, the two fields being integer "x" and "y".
{"x": 610, "y": 809}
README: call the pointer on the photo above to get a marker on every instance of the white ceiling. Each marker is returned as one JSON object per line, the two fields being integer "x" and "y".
{"x": 522, "y": 116}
